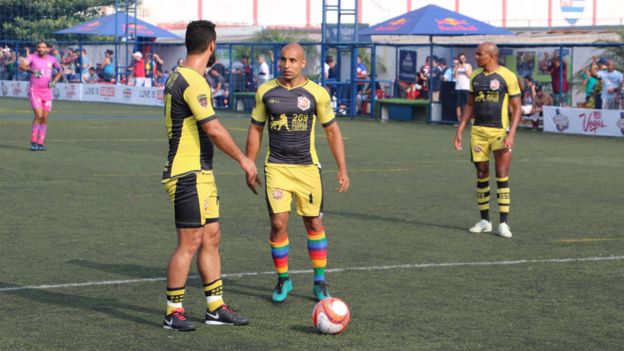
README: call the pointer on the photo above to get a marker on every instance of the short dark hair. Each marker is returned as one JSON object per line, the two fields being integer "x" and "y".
{"x": 329, "y": 59}
{"x": 43, "y": 42}
{"x": 442, "y": 61}
{"x": 199, "y": 34}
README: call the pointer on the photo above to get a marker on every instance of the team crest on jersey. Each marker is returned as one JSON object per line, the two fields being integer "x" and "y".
{"x": 277, "y": 194}
{"x": 303, "y": 103}
{"x": 494, "y": 84}
{"x": 203, "y": 100}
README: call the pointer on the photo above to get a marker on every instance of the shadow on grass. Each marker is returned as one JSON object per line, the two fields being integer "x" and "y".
{"x": 304, "y": 329}
{"x": 26, "y": 147}
{"x": 372, "y": 217}
{"x": 107, "y": 305}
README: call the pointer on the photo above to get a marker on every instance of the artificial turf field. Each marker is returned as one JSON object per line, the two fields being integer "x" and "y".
{"x": 86, "y": 230}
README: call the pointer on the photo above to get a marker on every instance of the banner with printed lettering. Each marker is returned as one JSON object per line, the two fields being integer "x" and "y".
{"x": 14, "y": 88}
{"x": 407, "y": 65}
{"x": 121, "y": 94}
{"x": 584, "y": 121}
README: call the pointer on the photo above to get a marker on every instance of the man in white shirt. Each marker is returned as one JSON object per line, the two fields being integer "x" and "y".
{"x": 263, "y": 70}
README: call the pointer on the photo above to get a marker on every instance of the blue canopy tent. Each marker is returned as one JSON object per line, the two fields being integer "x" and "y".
{"x": 431, "y": 20}
{"x": 118, "y": 25}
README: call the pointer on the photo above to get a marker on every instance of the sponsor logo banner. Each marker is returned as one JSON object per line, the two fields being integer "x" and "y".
{"x": 583, "y": 121}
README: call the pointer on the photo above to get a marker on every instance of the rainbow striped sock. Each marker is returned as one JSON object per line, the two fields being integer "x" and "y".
{"x": 279, "y": 252}
{"x": 317, "y": 248}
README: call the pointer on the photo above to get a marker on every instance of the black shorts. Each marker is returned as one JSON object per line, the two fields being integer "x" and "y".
{"x": 195, "y": 199}
{"x": 462, "y": 97}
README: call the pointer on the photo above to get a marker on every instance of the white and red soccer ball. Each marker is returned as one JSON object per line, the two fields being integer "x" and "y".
{"x": 331, "y": 316}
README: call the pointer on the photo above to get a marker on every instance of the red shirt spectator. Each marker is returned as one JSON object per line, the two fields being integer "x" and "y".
{"x": 138, "y": 65}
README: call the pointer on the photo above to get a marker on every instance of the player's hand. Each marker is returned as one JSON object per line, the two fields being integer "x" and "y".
{"x": 508, "y": 142}
{"x": 458, "y": 142}
{"x": 37, "y": 74}
{"x": 251, "y": 174}
{"x": 343, "y": 182}
{"x": 51, "y": 84}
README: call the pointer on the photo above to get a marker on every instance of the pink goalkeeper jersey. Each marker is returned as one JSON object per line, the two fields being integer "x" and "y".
{"x": 43, "y": 65}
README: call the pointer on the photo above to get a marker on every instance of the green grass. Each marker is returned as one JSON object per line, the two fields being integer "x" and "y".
{"x": 92, "y": 209}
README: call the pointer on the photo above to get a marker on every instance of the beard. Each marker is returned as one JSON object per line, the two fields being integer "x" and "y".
{"x": 211, "y": 60}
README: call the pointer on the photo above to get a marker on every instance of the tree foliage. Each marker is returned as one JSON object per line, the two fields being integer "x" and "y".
{"x": 38, "y": 19}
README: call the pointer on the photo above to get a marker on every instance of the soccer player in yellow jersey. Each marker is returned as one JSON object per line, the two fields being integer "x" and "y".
{"x": 493, "y": 90}
{"x": 290, "y": 106}
{"x": 192, "y": 128}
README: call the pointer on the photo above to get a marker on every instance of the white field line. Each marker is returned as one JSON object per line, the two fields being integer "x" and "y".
{"x": 333, "y": 270}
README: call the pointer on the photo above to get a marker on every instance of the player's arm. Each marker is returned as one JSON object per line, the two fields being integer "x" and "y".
{"x": 59, "y": 73}
{"x": 25, "y": 66}
{"x": 223, "y": 140}
{"x": 325, "y": 114}
{"x": 516, "y": 115}
{"x": 197, "y": 96}
{"x": 254, "y": 140}
{"x": 465, "y": 118}
{"x": 336, "y": 145}
{"x": 513, "y": 89}
{"x": 254, "y": 134}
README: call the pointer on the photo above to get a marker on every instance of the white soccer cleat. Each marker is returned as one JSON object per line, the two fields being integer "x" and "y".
{"x": 482, "y": 226}
{"x": 503, "y": 230}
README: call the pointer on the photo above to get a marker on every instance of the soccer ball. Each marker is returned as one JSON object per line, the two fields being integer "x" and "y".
{"x": 330, "y": 316}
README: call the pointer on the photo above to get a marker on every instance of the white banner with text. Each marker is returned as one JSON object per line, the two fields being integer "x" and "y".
{"x": 121, "y": 94}
{"x": 584, "y": 121}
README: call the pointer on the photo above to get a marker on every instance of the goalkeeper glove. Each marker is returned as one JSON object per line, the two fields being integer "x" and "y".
{"x": 51, "y": 84}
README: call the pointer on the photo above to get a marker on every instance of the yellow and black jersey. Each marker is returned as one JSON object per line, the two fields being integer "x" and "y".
{"x": 291, "y": 115}
{"x": 491, "y": 93}
{"x": 188, "y": 105}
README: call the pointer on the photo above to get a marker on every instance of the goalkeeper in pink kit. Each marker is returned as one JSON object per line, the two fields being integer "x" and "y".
{"x": 40, "y": 66}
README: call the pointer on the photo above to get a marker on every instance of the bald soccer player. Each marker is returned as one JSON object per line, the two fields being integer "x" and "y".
{"x": 493, "y": 89}
{"x": 291, "y": 105}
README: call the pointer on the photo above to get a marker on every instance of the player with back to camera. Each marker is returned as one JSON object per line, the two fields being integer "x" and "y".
{"x": 192, "y": 128}
{"x": 492, "y": 89}
{"x": 290, "y": 106}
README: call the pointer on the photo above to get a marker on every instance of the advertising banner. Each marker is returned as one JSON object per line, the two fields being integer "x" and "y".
{"x": 584, "y": 121}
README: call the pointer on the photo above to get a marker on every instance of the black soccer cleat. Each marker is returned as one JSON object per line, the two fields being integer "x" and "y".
{"x": 225, "y": 315}
{"x": 177, "y": 321}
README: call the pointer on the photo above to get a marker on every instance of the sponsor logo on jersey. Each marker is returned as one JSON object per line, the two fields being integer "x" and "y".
{"x": 494, "y": 84}
{"x": 277, "y": 124}
{"x": 303, "y": 103}
{"x": 203, "y": 100}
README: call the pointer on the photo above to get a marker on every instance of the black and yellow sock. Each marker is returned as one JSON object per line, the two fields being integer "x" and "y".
{"x": 483, "y": 197}
{"x": 214, "y": 294}
{"x": 504, "y": 198}
{"x": 175, "y": 297}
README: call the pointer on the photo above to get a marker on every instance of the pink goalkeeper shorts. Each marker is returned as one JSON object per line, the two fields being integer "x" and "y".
{"x": 40, "y": 98}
